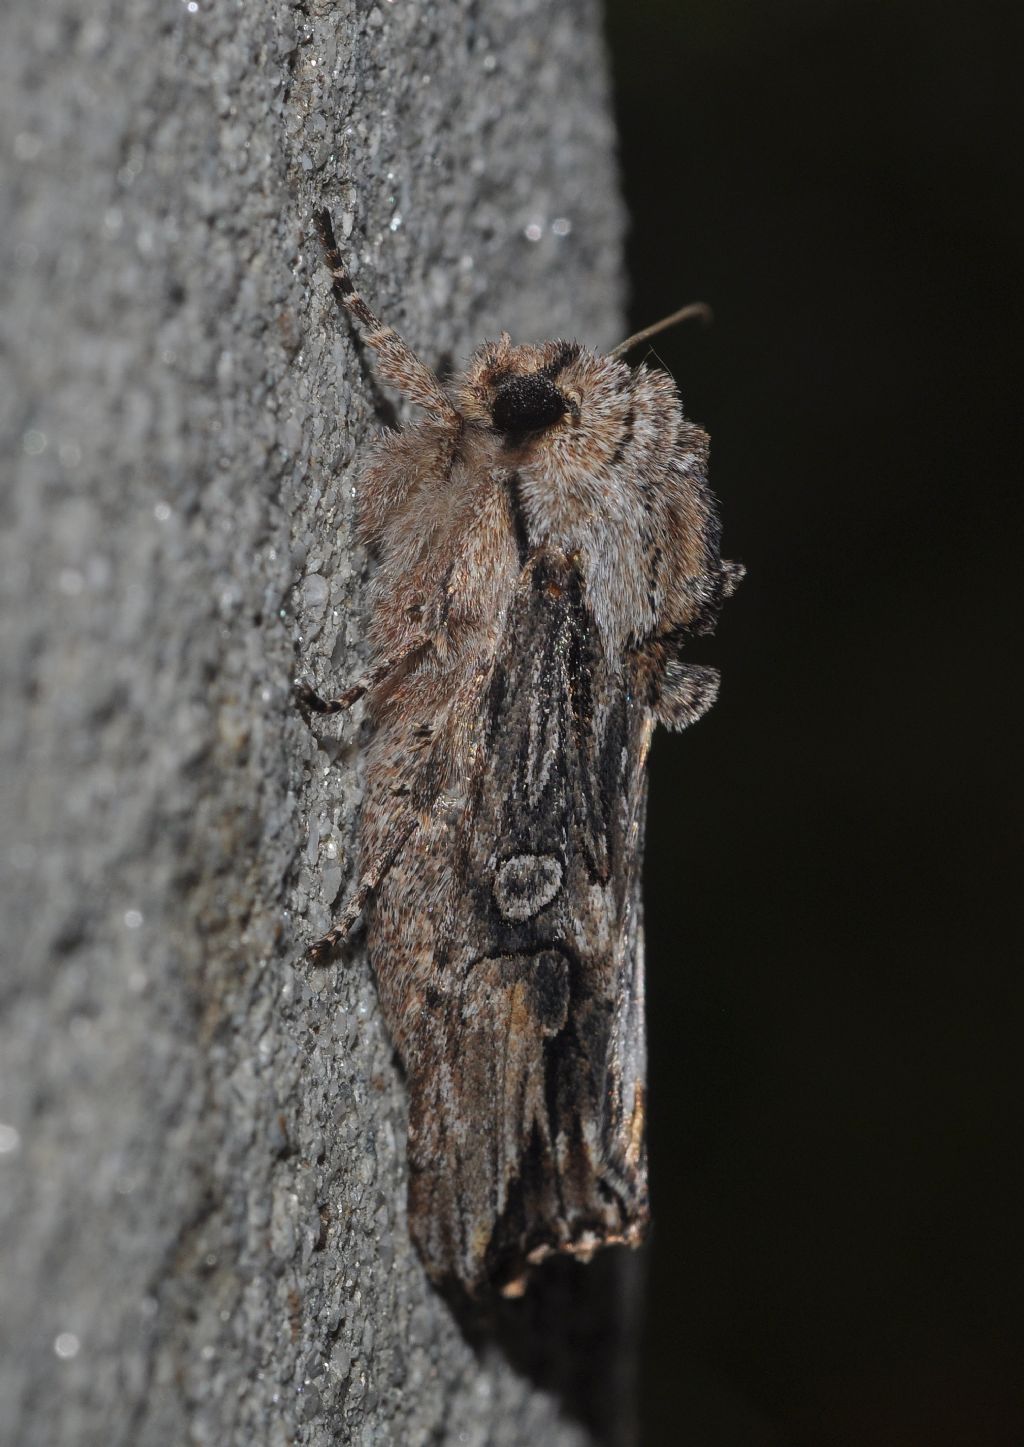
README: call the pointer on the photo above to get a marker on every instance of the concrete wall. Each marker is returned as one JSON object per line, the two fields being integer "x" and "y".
{"x": 202, "y": 1152}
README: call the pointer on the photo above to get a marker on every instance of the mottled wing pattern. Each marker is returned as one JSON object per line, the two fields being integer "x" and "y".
{"x": 526, "y": 1132}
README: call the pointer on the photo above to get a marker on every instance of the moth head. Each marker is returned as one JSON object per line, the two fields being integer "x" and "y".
{"x": 520, "y": 393}
{"x": 526, "y": 402}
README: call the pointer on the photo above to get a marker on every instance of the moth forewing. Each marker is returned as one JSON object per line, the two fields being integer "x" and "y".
{"x": 546, "y": 543}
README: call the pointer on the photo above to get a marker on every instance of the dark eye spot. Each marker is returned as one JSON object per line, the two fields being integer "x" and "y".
{"x": 526, "y": 883}
{"x": 526, "y": 404}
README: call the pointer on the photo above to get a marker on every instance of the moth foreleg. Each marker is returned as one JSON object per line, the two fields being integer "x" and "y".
{"x": 398, "y": 364}
{"x": 370, "y": 879}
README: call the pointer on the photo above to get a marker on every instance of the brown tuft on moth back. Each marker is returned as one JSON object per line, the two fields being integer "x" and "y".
{"x": 546, "y": 544}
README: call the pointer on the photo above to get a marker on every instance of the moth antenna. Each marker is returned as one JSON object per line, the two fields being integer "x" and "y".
{"x": 399, "y": 365}
{"x": 694, "y": 311}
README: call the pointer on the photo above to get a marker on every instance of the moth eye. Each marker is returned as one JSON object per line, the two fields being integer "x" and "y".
{"x": 526, "y": 404}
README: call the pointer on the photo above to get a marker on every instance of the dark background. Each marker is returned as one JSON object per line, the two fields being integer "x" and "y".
{"x": 833, "y": 888}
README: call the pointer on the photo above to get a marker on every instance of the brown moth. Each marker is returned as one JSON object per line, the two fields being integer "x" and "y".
{"x": 546, "y": 543}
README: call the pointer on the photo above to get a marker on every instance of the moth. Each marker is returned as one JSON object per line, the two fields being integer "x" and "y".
{"x": 546, "y": 544}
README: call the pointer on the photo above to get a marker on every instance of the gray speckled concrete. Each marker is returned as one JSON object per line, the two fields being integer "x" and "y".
{"x": 201, "y": 1158}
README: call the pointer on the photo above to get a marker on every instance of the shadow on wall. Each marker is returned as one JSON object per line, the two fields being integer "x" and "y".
{"x": 576, "y": 1334}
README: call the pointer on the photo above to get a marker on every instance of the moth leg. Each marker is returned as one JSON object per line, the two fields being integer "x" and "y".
{"x": 371, "y": 878}
{"x": 398, "y": 364}
{"x": 686, "y": 693}
{"x": 311, "y": 702}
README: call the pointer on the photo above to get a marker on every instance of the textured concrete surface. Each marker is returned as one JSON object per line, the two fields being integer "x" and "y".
{"x": 201, "y": 1153}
